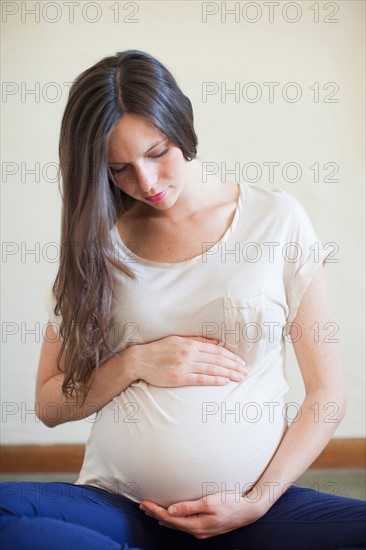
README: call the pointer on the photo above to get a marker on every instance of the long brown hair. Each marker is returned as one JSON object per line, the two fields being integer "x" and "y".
{"x": 132, "y": 81}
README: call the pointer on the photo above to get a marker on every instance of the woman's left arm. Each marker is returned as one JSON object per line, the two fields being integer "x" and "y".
{"x": 324, "y": 406}
{"x": 321, "y": 412}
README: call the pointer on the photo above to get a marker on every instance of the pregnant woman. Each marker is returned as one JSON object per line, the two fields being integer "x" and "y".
{"x": 168, "y": 318}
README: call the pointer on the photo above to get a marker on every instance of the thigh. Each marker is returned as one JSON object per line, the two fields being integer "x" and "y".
{"x": 109, "y": 514}
{"x": 40, "y": 533}
{"x": 303, "y": 519}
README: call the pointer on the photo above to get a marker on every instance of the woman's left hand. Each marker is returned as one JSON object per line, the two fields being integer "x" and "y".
{"x": 206, "y": 517}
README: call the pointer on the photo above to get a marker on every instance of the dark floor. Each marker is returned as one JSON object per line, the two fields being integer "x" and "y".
{"x": 345, "y": 482}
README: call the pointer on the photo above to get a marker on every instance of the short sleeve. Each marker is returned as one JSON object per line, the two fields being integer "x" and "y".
{"x": 49, "y": 305}
{"x": 303, "y": 254}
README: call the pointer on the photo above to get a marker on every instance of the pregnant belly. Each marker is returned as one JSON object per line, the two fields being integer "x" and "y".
{"x": 175, "y": 444}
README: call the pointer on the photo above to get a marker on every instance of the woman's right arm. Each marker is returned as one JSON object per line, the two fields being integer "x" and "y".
{"x": 53, "y": 408}
{"x": 172, "y": 361}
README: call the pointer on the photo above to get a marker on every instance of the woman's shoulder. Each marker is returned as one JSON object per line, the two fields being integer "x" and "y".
{"x": 276, "y": 214}
{"x": 270, "y": 196}
{"x": 270, "y": 203}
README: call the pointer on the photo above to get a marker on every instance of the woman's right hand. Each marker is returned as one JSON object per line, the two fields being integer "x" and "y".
{"x": 176, "y": 361}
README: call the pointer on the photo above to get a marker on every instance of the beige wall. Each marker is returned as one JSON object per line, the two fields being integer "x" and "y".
{"x": 320, "y": 53}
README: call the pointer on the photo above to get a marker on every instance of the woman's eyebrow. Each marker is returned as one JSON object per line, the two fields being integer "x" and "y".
{"x": 152, "y": 147}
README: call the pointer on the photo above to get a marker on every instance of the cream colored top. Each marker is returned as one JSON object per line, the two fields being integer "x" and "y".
{"x": 175, "y": 444}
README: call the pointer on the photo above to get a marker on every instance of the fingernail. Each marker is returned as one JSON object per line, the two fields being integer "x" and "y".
{"x": 172, "y": 509}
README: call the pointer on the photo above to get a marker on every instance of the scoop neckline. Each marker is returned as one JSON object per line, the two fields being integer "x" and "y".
{"x": 154, "y": 263}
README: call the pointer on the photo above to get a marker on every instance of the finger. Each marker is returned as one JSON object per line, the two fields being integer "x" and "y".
{"x": 162, "y": 516}
{"x": 152, "y": 509}
{"x": 192, "y": 379}
{"x": 202, "y": 379}
{"x": 187, "y": 508}
{"x": 221, "y": 356}
{"x": 150, "y": 514}
{"x": 215, "y": 370}
{"x": 204, "y": 339}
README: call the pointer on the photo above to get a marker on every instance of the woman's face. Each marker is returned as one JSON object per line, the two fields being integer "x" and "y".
{"x": 144, "y": 163}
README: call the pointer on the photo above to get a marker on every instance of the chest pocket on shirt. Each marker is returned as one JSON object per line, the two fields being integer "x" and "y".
{"x": 251, "y": 326}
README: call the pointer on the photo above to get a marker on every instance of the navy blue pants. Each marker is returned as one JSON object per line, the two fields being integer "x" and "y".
{"x": 64, "y": 516}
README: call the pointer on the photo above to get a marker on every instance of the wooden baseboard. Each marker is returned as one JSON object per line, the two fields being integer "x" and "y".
{"x": 41, "y": 458}
{"x": 343, "y": 453}
{"x": 339, "y": 453}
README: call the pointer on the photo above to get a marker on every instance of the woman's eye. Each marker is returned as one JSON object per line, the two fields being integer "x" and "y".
{"x": 117, "y": 171}
{"x": 161, "y": 154}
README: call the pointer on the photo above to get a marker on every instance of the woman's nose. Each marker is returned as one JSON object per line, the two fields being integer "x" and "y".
{"x": 147, "y": 177}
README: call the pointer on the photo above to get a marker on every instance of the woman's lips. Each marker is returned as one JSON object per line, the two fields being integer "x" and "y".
{"x": 157, "y": 198}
